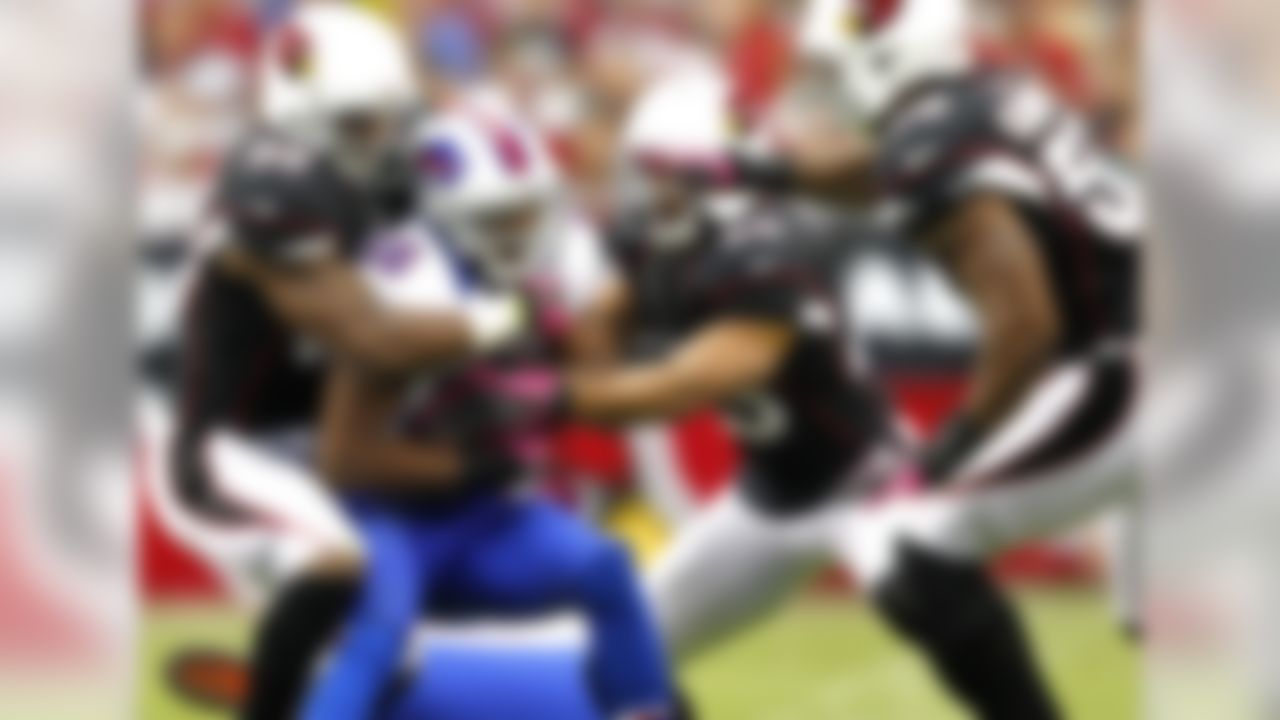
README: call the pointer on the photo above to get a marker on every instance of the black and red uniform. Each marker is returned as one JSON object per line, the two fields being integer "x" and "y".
{"x": 810, "y": 429}
{"x": 242, "y": 367}
{"x": 1002, "y": 134}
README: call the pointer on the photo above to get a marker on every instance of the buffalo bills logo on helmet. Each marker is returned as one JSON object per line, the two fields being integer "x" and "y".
{"x": 511, "y": 150}
{"x": 440, "y": 162}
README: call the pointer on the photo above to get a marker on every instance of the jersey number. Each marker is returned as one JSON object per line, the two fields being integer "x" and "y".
{"x": 1109, "y": 198}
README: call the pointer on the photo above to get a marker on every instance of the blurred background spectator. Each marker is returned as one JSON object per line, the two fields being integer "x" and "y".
{"x": 573, "y": 65}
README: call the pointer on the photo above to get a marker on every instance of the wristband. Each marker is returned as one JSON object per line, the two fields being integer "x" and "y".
{"x": 950, "y": 448}
{"x": 495, "y": 321}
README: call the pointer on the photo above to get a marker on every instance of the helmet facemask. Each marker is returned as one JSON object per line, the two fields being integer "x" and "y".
{"x": 365, "y": 143}
{"x": 492, "y": 184}
{"x": 671, "y": 206}
{"x": 507, "y": 241}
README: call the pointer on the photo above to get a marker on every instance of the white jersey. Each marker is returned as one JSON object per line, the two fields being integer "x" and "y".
{"x": 411, "y": 266}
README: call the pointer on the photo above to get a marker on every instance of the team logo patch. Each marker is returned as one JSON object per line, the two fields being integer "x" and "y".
{"x": 440, "y": 162}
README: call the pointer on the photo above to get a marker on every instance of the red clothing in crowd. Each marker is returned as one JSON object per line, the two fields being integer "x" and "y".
{"x": 759, "y": 60}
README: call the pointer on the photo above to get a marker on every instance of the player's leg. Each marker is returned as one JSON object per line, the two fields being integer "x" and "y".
{"x": 975, "y": 523}
{"x": 954, "y": 612}
{"x": 543, "y": 557}
{"x": 291, "y": 635}
{"x": 367, "y": 655}
{"x": 922, "y": 558}
{"x": 975, "y": 640}
{"x": 314, "y": 564}
{"x": 257, "y": 514}
{"x": 279, "y": 539}
{"x": 731, "y": 566}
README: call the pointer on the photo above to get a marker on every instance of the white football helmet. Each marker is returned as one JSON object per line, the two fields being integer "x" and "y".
{"x": 683, "y": 121}
{"x": 491, "y": 182}
{"x": 879, "y": 49}
{"x": 340, "y": 78}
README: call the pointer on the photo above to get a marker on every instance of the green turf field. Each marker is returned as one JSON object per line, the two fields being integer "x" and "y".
{"x": 819, "y": 659}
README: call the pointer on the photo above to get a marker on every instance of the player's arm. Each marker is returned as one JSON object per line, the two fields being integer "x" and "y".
{"x": 359, "y": 444}
{"x": 595, "y": 337}
{"x": 329, "y": 301}
{"x": 990, "y": 255}
{"x": 726, "y": 358}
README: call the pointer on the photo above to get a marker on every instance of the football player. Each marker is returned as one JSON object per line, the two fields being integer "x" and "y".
{"x": 1040, "y": 229}
{"x": 754, "y": 299}
{"x": 496, "y": 218}
{"x": 275, "y": 294}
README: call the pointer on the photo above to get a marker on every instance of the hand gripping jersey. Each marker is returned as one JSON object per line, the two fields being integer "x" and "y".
{"x": 412, "y": 266}
{"x": 1003, "y": 134}
{"x": 819, "y": 422}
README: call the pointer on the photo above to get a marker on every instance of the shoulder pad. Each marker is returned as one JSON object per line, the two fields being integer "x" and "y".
{"x": 280, "y": 200}
{"x": 933, "y": 131}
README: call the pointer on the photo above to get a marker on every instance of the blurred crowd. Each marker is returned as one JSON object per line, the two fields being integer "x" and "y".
{"x": 572, "y": 65}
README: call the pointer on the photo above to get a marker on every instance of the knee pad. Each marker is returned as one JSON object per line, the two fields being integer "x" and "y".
{"x": 937, "y": 600}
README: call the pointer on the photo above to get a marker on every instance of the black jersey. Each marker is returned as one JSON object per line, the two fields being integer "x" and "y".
{"x": 241, "y": 366}
{"x": 658, "y": 279}
{"x": 820, "y": 418}
{"x": 1003, "y": 133}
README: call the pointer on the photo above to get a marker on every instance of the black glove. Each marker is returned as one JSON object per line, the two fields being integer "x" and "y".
{"x": 769, "y": 174}
{"x": 950, "y": 448}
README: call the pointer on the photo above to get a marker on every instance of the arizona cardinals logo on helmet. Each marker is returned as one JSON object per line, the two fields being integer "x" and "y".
{"x": 295, "y": 51}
